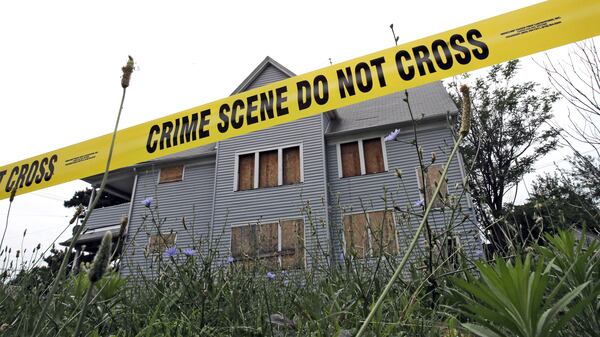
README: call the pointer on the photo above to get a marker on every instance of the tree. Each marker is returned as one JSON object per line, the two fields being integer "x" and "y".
{"x": 577, "y": 79}
{"x": 507, "y": 137}
{"x": 83, "y": 198}
{"x": 556, "y": 202}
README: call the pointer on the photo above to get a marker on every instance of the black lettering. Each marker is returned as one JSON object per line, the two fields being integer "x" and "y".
{"x": 222, "y": 127}
{"x": 443, "y": 64}
{"x": 266, "y": 105}
{"x": 32, "y": 172}
{"x": 377, "y": 64}
{"x": 2, "y": 174}
{"x": 251, "y": 108}
{"x": 188, "y": 130}
{"x": 176, "y": 131}
{"x": 281, "y": 99}
{"x": 421, "y": 54}
{"x": 9, "y": 183}
{"x": 465, "y": 58}
{"x": 321, "y": 89}
{"x": 408, "y": 73}
{"x": 483, "y": 51}
{"x": 167, "y": 128}
{"x": 304, "y": 99}
{"x": 50, "y": 172}
{"x": 237, "y": 123}
{"x": 363, "y": 82}
{"x": 345, "y": 82}
{"x": 150, "y": 144}
{"x": 204, "y": 122}
{"x": 22, "y": 175}
{"x": 40, "y": 175}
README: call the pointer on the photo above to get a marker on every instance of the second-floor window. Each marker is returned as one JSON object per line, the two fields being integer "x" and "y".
{"x": 269, "y": 168}
{"x": 360, "y": 157}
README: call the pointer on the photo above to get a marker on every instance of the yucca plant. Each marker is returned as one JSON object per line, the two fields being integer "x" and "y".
{"x": 576, "y": 262}
{"x": 513, "y": 300}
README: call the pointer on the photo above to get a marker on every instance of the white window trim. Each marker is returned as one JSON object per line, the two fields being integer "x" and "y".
{"x": 279, "y": 233}
{"x": 257, "y": 164}
{"x": 182, "y": 174}
{"x": 361, "y": 155}
{"x": 370, "y": 251}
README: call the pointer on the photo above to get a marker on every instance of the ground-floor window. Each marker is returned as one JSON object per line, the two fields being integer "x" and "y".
{"x": 370, "y": 234}
{"x": 277, "y": 244}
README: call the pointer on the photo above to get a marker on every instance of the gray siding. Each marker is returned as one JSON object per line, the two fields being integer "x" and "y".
{"x": 189, "y": 200}
{"x": 269, "y": 75}
{"x": 355, "y": 194}
{"x": 108, "y": 216}
{"x": 304, "y": 200}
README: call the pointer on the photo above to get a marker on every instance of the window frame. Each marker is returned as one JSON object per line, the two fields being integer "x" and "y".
{"x": 361, "y": 156}
{"x": 279, "y": 235}
{"x": 158, "y": 182}
{"x": 369, "y": 254}
{"x": 257, "y": 166}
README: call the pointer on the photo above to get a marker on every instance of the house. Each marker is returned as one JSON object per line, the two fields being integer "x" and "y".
{"x": 295, "y": 194}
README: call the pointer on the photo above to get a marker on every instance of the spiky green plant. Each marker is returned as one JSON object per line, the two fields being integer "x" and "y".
{"x": 513, "y": 300}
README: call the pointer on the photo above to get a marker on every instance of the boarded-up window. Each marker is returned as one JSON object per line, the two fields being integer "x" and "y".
{"x": 160, "y": 242}
{"x": 292, "y": 244}
{"x": 268, "y": 169}
{"x": 432, "y": 179}
{"x": 263, "y": 242}
{"x": 449, "y": 250}
{"x": 356, "y": 235}
{"x": 291, "y": 165}
{"x": 383, "y": 233}
{"x": 370, "y": 234}
{"x": 170, "y": 174}
{"x": 246, "y": 172}
{"x": 373, "y": 156}
{"x": 268, "y": 244}
{"x": 350, "y": 159}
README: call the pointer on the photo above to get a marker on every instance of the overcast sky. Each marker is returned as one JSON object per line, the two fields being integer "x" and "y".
{"x": 60, "y": 66}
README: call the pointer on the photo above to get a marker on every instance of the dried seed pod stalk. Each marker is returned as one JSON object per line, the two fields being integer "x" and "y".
{"x": 127, "y": 70}
{"x": 465, "y": 121}
{"x": 101, "y": 260}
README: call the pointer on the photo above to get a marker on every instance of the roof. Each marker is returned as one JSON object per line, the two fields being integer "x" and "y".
{"x": 268, "y": 61}
{"x": 427, "y": 101}
{"x": 93, "y": 236}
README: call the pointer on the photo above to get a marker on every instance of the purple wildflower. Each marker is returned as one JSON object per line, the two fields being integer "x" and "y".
{"x": 171, "y": 252}
{"x": 147, "y": 202}
{"x": 392, "y": 136}
{"x": 189, "y": 252}
{"x": 271, "y": 276}
{"x": 419, "y": 203}
{"x": 342, "y": 257}
{"x": 230, "y": 259}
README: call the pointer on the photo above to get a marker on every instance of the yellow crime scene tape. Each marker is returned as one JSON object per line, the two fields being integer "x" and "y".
{"x": 508, "y": 36}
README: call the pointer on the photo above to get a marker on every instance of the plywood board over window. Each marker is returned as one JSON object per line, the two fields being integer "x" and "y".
{"x": 171, "y": 174}
{"x": 246, "y": 172}
{"x": 160, "y": 242}
{"x": 292, "y": 244}
{"x": 432, "y": 179}
{"x": 350, "y": 159}
{"x": 291, "y": 165}
{"x": 383, "y": 233}
{"x": 356, "y": 234}
{"x": 373, "y": 156}
{"x": 268, "y": 169}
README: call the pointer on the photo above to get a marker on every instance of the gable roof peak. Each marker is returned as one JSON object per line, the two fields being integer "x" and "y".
{"x": 264, "y": 64}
